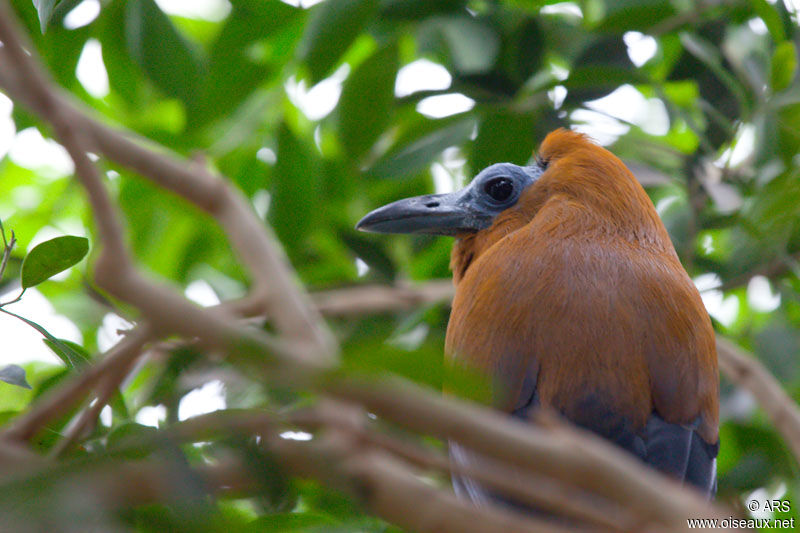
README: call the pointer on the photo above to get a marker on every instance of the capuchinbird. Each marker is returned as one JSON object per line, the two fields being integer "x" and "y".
{"x": 570, "y": 296}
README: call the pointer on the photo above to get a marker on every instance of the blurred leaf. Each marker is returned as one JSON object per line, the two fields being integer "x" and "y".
{"x": 132, "y": 440}
{"x": 415, "y": 155}
{"x": 334, "y": 504}
{"x": 526, "y": 51}
{"x": 777, "y": 346}
{"x": 784, "y": 66}
{"x": 771, "y": 18}
{"x": 47, "y": 378}
{"x": 330, "y": 32}
{"x": 627, "y": 15}
{"x": 419, "y": 9}
{"x": 432, "y": 259}
{"x": 51, "y": 257}
{"x": 62, "y": 8}
{"x": 249, "y": 50}
{"x": 166, "y": 227}
{"x": 708, "y": 54}
{"x": 503, "y": 136}
{"x": 295, "y": 190}
{"x": 294, "y": 521}
{"x": 473, "y": 43}
{"x": 165, "y": 386}
{"x": 788, "y": 132}
{"x": 15, "y": 375}
{"x": 148, "y": 32}
{"x": 602, "y": 66}
{"x": 411, "y": 355}
{"x": 371, "y": 251}
{"x": 277, "y": 492}
{"x": 118, "y": 406}
{"x": 365, "y": 106}
{"x": 605, "y": 50}
{"x": 124, "y": 75}
{"x": 45, "y": 10}
{"x": 760, "y": 451}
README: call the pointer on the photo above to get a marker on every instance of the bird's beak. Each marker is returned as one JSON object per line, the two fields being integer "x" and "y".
{"x": 433, "y": 214}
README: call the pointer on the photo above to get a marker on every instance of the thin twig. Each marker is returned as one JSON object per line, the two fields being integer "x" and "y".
{"x": 87, "y": 418}
{"x": 7, "y": 248}
{"x": 371, "y": 299}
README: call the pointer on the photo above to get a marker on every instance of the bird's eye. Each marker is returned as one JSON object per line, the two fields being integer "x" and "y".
{"x": 499, "y": 189}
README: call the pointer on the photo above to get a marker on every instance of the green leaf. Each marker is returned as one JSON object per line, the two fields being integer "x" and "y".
{"x": 371, "y": 252}
{"x": 503, "y": 136}
{"x": 51, "y": 257}
{"x": 365, "y": 107}
{"x": 15, "y": 375}
{"x": 523, "y": 55}
{"x": 294, "y": 521}
{"x": 784, "y": 66}
{"x": 417, "y": 154}
{"x": 418, "y": 9}
{"x": 248, "y": 52}
{"x": 52, "y": 10}
{"x": 624, "y": 15}
{"x": 62, "y": 8}
{"x": 45, "y": 10}
{"x": 132, "y": 441}
{"x": 332, "y": 29}
{"x": 473, "y": 44}
{"x": 124, "y": 75}
{"x": 709, "y": 54}
{"x": 771, "y": 18}
{"x": 163, "y": 54}
{"x": 74, "y": 355}
{"x": 600, "y": 78}
{"x": 295, "y": 190}
{"x": 70, "y": 353}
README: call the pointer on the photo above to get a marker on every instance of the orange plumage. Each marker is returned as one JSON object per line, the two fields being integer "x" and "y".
{"x": 571, "y": 296}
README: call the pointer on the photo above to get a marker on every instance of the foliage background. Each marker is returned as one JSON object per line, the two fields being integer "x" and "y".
{"x": 716, "y": 145}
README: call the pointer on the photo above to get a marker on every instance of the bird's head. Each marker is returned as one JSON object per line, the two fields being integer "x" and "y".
{"x": 504, "y": 198}
{"x": 474, "y": 208}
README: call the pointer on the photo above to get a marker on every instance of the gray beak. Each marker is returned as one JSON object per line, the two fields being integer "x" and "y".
{"x": 432, "y": 214}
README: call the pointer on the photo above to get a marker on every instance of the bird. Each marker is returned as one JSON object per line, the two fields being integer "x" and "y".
{"x": 570, "y": 297}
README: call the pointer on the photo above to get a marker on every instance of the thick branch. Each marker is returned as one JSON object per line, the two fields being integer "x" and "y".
{"x": 535, "y": 490}
{"x": 339, "y": 457}
{"x": 574, "y": 456}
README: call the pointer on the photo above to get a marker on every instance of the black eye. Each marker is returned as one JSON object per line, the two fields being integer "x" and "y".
{"x": 499, "y": 189}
